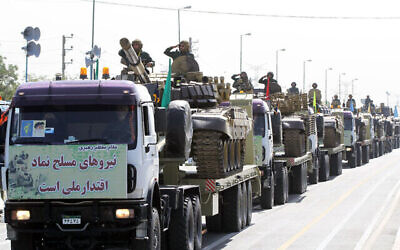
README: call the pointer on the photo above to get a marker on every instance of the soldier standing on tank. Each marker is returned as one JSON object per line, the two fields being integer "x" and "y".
{"x": 146, "y": 59}
{"x": 242, "y": 82}
{"x": 335, "y": 102}
{"x": 183, "y": 50}
{"x": 273, "y": 84}
{"x": 348, "y": 103}
{"x": 293, "y": 90}
{"x": 317, "y": 94}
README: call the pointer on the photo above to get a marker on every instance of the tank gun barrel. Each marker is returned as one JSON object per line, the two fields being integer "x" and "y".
{"x": 134, "y": 62}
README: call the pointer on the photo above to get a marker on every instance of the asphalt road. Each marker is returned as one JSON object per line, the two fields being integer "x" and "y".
{"x": 358, "y": 210}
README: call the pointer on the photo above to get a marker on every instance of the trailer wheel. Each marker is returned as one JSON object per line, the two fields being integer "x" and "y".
{"x": 267, "y": 194}
{"x": 336, "y": 163}
{"x": 315, "y": 173}
{"x": 324, "y": 167}
{"x": 231, "y": 209}
{"x": 365, "y": 154}
{"x": 25, "y": 241}
{"x": 299, "y": 178}
{"x": 244, "y": 204}
{"x": 380, "y": 148}
{"x": 197, "y": 222}
{"x": 181, "y": 231}
{"x": 352, "y": 159}
{"x": 359, "y": 155}
{"x": 249, "y": 203}
{"x": 280, "y": 187}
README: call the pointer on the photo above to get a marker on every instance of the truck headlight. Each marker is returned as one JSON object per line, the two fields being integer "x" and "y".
{"x": 124, "y": 213}
{"x": 20, "y": 215}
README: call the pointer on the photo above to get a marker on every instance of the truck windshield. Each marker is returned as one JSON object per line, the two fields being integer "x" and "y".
{"x": 348, "y": 124}
{"x": 79, "y": 124}
{"x": 259, "y": 125}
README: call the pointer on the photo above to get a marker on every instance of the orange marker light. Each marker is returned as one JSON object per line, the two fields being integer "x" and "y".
{"x": 106, "y": 73}
{"x": 83, "y": 74}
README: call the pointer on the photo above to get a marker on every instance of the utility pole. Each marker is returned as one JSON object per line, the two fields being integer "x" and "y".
{"x": 64, "y": 38}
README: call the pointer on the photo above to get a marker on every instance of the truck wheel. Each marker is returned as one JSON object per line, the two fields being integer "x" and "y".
{"x": 244, "y": 204}
{"x": 376, "y": 151}
{"x": 380, "y": 148}
{"x": 25, "y": 241}
{"x": 336, "y": 163}
{"x": 279, "y": 190}
{"x": 324, "y": 167}
{"x": 359, "y": 155}
{"x": 267, "y": 195}
{"x": 315, "y": 173}
{"x": 231, "y": 209}
{"x": 365, "y": 154}
{"x": 197, "y": 222}
{"x": 181, "y": 231}
{"x": 249, "y": 203}
{"x": 299, "y": 178}
{"x": 352, "y": 159}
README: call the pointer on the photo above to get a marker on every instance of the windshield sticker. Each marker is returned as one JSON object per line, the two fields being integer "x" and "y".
{"x": 32, "y": 128}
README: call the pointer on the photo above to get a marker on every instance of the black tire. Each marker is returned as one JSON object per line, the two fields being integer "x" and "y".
{"x": 281, "y": 186}
{"x": 267, "y": 194}
{"x": 249, "y": 203}
{"x": 352, "y": 159}
{"x": 314, "y": 176}
{"x": 24, "y": 241}
{"x": 376, "y": 151}
{"x": 380, "y": 148}
{"x": 324, "y": 167}
{"x": 335, "y": 163}
{"x": 365, "y": 154}
{"x": 181, "y": 230}
{"x": 244, "y": 204}
{"x": 371, "y": 150}
{"x": 231, "y": 209}
{"x": 359, "y": 155}
{"x": 197, "y": 222}
{"x": 299, "y": 178}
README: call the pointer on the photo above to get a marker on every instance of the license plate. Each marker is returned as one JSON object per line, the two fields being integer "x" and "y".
{"x": 71, "y": 220}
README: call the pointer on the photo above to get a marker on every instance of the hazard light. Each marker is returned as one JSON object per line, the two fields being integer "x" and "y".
{"x": 83, "y": 74}
{"x": 106, "y": 73}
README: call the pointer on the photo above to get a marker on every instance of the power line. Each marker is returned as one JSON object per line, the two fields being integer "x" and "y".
{"x": 254, "y": 14}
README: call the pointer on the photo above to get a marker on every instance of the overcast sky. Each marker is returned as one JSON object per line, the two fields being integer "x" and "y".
{"x": 365, "y": 48}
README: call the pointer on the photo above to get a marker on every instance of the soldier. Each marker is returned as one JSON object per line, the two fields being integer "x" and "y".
{"x": 183, "y": 50}
{"x": 293, "y": 90}
{"x": 367, "y": 102}
{"x": 349, "y": 101}
{"x": 273, "y": 84}
{"x": 335, "y": 102}
{"x": 147, "y": 61}
{"x": 317, "y": 94}
{"x": 242, "y": 82}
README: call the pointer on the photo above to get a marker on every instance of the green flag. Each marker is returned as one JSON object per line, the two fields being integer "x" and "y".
{"x": 166, "y": 98}
{"x": 315, "y": 102}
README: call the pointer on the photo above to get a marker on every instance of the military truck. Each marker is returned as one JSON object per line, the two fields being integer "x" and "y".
{"x": 396, "y": 122}
{"x": 350, "y": 139}
{"x": 379, "y": 137}
{"x": 366, "y": 137}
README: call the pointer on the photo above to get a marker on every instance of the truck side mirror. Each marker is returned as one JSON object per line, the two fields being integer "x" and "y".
{"x": 160, "y": 118}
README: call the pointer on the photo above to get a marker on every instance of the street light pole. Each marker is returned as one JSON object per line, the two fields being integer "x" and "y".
{"x": 179, "y": 21}
{"x": 326, "y": 85}
{"x": 241, "y": 38}
{"x": 304, "y": 74}
{"x": 276, "y": 71}
{"x": 352, "y": 85}
{"x": 340, "y": 84}
{"x": 91, "y": 66}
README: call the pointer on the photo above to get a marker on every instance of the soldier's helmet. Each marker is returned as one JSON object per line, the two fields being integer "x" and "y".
{"x": 293, "y": 84}
{"x": 270, "y": 74}
{"x": 350, "y": 96}
{"x": 314, "y": 85}
{"x": 138, "y": 42}
{"x": 335, "y": 96}
{"x": 184, "y": 46}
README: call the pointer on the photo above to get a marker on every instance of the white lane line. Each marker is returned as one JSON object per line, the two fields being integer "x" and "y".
{"x": 339, "y": 226}
{"x": 367, "y": 233}
{"x": 220, "y": 241}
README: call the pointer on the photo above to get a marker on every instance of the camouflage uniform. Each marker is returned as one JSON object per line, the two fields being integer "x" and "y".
{"x": 293, "y": 91}
{"x": 177, "y": 53}
{"x": 317, "y": 95}
{"x": 241, "y": 83}
{"x": 335, "y": 103}
{"x": 273, "y": 85}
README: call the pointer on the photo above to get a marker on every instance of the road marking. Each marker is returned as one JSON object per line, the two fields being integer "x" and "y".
{"x": 330, "y": 208}
{"x": 383, "y": 223}
{"x": 339, "y": 226}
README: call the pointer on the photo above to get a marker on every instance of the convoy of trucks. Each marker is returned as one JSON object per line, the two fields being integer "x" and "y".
{"x": 100, "y": 164}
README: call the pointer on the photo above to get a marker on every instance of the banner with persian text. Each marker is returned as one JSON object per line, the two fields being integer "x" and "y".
{"x": 67, "y": 171}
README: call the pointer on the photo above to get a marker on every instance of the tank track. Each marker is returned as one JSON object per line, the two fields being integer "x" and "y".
{"x": 215, "y": 155}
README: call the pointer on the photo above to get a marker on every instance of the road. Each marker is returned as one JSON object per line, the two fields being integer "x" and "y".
{"x": 358, "y": 210}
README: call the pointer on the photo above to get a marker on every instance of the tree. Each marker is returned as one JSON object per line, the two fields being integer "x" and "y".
{"x": 8, "y": 79}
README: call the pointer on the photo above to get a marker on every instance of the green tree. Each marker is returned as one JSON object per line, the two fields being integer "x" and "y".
{"x": 8, "y": 79}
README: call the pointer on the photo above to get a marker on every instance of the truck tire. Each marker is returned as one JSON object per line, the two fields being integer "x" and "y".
{"x": 336, "y": 164}
{"x": 249, "y": 203}
{"x": 376, "y": 151}
{"x": 365, "y": 154}
{"x": 267, "y": 195}
{"x": 359, "y": 155}
{"x": 371, "y": 150}
{"x": 231, "y": 209}
{"x": 299, "y": 178}
{"x": 324, "y": 167}
{"x": 352, "y": 159}
{"x": 380, "y": 148}
{"x": 181, "y": 230}
{"x": 282, "y": 186}
{"x": 314, "y": 176}
{"x": 244, "y": 204}
{"x": 197, "y": 222}
{"x": 25, "y": 242}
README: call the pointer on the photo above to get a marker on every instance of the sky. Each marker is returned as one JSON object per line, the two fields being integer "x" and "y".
{"x": 361, "y": 47}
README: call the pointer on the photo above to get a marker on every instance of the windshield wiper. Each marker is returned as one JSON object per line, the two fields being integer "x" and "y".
{"x": 102, "y": 140}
